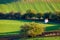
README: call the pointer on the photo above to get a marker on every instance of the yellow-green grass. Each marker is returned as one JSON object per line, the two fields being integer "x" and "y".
{"x": 39, "y": 6}
{"x": 13, "y": 26}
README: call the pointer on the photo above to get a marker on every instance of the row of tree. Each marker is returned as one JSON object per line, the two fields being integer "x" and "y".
{"x": 31, "y": 15}
{"x": 10, "y": 15}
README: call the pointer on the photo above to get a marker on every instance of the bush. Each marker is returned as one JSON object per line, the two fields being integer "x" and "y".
{"x": 32, "y": 29}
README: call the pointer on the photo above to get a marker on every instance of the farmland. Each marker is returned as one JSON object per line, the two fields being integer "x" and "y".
{"x": 11, "y": 23}
{"x": 13, "y": 26}
{"x": 35, "y": 5}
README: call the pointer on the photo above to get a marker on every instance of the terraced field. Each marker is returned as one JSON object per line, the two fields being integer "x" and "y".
{"x": 36, "y": 5}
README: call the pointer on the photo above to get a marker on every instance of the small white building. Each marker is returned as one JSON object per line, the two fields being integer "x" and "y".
{"x": 46, "y": 20}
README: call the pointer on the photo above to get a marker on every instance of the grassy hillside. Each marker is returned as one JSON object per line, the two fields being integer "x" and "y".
{"x": 23, "y": 5}
{"x": 13, "y": 26}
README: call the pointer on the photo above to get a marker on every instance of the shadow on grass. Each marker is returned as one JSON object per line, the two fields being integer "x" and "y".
{"x": 52, "y": 28}
{"x": 9, "y": 33}
{"x": 39, "y": 21}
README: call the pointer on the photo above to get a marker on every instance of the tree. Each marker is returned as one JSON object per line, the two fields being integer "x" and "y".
{"x": 17, "y": 15}
{"x": 2, "y": 15}
{"x": 47, "y": 15}
{"x": 32, "y": 29}
{"x": 10, "y": 15}
{"x": 57, "y": 15}
{"x": 53, "y": 16}
{"x": 39, "y": 15}
{"x": 23, "y": 16}
{"x": 28, "y": 15}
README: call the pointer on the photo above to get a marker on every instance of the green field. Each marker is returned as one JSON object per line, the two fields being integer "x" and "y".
{"x": 11, "y": 27}
{"x": 8, "y": 27}
{"x": 37, "y": 5}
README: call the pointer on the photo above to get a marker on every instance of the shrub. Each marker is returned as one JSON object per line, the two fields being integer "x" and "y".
{"x": 32, "y": 29}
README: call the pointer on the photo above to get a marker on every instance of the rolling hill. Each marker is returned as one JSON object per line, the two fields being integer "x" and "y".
{"x": 23, "y": 5}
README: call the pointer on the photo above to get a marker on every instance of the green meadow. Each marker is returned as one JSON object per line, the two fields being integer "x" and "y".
{"x": 12, "y": 27}
{"x": 9, "y": 27}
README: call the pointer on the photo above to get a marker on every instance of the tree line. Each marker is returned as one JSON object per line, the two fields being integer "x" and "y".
{"x": 30, "y": 15}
